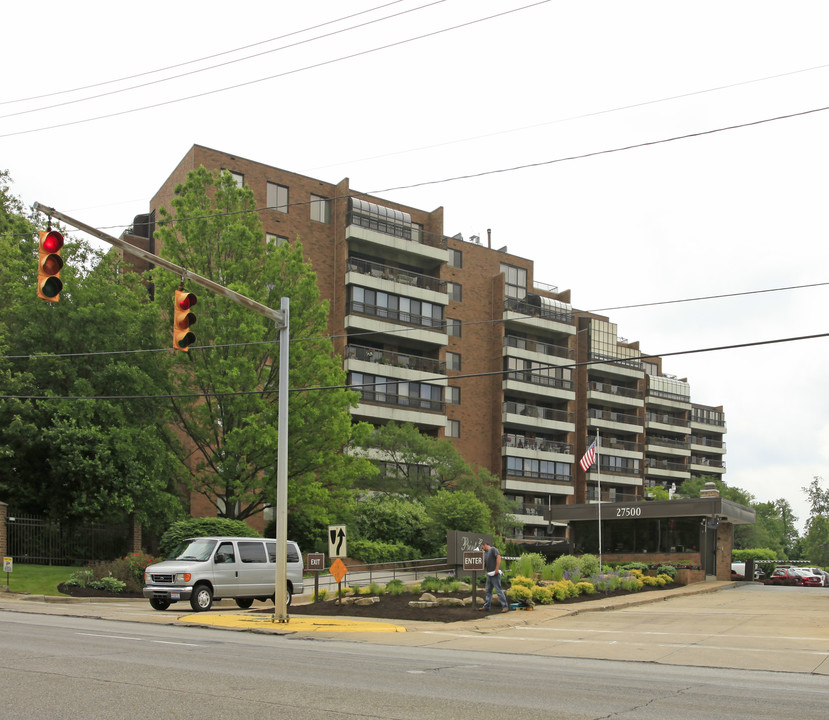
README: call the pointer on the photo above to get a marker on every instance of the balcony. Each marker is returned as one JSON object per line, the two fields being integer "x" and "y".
{"x": 539, "y": 317}
{"x": 531, "y": 514}
{"x": 604, "y": 393}
{"x": 380, "y": 406}
{"x": 667, "y": 422}
{"x": 621, "y": 448}
{"x": 533, "y": 446}
{"x": 708, "y": 424}
{"x": 610, "y": 495}
{"x": 610, "y": 366}
{"x": 666, "y": 468}
{"x": 537, "y": 351}
{"x": 538, "y": 383}
{"x": 534, "y": 417}
{"x": 668, "y": 446}
{"x": 707, "y": 445}
{"x": 662, "y": 398}
{"x": 612, "y": 420}
{"x": 707, "y": 466}
{"x": 410, "y": 279}
{"x": 395, "y": 237}
{"x": 382, "y": 320}
{"x": 390, "y": 360}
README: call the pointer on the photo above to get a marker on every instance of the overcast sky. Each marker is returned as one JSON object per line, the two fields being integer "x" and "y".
{"x": 461, "y": 87}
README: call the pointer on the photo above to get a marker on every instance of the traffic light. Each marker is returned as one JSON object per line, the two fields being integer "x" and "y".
{"x": 49, "y": 264}
{"x": 183, "y": 318}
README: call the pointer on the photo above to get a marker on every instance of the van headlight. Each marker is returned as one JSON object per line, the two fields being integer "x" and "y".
{"x": 183, "y": 577}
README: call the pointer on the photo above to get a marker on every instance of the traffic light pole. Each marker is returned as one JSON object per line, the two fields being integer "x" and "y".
{"x": 282, "y": 320}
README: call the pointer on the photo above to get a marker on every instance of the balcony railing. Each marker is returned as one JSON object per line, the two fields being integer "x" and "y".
{"x": 538, "y": 347}
{"x": 395, "y": 359}
{"x": 527, "y": 443}
{"x": 616, "y": 444}
{"x": 545, "y": 313}
{"x": 613, "y": 416}
{"x": 658, "y": 464}
{"x": 536, "y": 378}
{"x": 415, "y": 403}
{"x": 611, "y": 496}
{"x": 530, "y": 509}
{"x": 707, "y": 442}
{"x": 668, "y": 419}
{"x": 541, "y": 413}
{"x": 388, "y": 272}
{"x": 669, "y": 443}
{"x": 619, "y": 390}
{"x": 600, "y": 357}
{"x": 708, "y": 462}
{"x": 665, "y": 395}
{"x": 387, "y": 226}
{"x": 407, "y": 318}
{"x": 536, "y": 475}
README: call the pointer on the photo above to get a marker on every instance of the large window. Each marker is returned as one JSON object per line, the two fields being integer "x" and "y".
{"x": 391, "y": 391}
{"x": 396, "y": 307}
{"x": 320, "y": 209}
{"x": 277, "y": 197}
{"x": 515, "y": 281}
{"x": 658, "y": 535}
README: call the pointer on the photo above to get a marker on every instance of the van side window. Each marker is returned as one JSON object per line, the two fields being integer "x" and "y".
{"x": 293, "y": 555}
{"x": 252, "y": 552}
{"x": 225, "y": 553}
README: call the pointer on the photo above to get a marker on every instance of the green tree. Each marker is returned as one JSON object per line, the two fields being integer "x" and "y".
{"x": 459, "y": 510}
{"x": 389, "y": 518}
{"x": 85, "y": 455}
{"x": 225, "y": 394}
{"x": 816, "y": 541}
{"x": 818, "y": 498}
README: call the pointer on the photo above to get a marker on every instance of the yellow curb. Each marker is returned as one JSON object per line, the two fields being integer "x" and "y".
{"x": 294, "y": 624}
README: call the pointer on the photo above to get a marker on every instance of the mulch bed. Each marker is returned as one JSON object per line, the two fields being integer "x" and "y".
{"x": 74, "y": 591}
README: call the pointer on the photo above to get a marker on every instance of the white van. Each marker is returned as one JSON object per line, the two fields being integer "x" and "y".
{"x": 205, "y": 569}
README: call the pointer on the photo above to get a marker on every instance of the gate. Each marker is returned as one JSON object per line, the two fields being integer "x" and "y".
{"x": 33, "y": 539}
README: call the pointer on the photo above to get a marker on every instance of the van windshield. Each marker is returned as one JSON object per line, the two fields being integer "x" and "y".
{"x": 198, "y": 549}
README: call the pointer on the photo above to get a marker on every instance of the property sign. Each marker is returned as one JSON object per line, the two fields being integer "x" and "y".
{"x": 8, "y": 564}
{"x": 315, "y": 562}
{"x": 473, "y": 561}
{"x": 337, "y": 546}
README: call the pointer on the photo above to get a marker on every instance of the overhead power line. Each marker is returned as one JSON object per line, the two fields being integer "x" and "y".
{"x": 459, "y": 376}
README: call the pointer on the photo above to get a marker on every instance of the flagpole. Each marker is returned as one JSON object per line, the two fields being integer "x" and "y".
{"x": 599, "y": 481}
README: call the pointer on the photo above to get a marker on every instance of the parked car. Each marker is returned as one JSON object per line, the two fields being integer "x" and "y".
{"x": 205, "y": 569}
{"x": 822, "y": 574}
{"x": 738, "y": 571}
{"x": 810, "y": 579}
{"x": 784, "y": 576}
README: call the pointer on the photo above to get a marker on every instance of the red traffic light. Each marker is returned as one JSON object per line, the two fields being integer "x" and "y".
{"x": 183, "y": 319}
{"x": 49, "y": 266}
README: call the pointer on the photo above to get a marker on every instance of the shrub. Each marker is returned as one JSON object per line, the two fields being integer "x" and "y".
{"x": 669, "y": 570}
{"x": 651, "y": 581}
{"x": 322, "y": 593}
{"x": 110, "y": 584}
{"x": 665, "y": 579}
{"x": 563, "y": 589}
{"x": 430, "y": 584}
{"x": 605, "y": 582}
{"x": 542, "y": 595}
{"x": 202, "y": 527}
{"x": 138, "y": 562}
{"x": 522, "y": 580}
{"x": 395, "y": 587}
{"x": 519, "y": 593}
{"x": 375, "y": 551}
{"x": 80, "y": 578}
{"x": 567, "y": 567}
{"x": 529, "y": 564}
{"x": 375, "y": 589}
{"x": 589, "y": 565}
{"x": 585, "y": 588}
{"x": 756, "y": 553}
{"x": 631, "y": 583}
{"x": 632, "y": 566}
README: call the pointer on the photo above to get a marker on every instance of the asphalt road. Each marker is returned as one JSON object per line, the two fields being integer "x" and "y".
{"x": 59, "y": 666}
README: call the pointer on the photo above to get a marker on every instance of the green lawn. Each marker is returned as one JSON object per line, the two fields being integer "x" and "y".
{"x": 36, "y": 579}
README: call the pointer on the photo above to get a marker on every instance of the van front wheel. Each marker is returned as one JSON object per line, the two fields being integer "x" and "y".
{"x": 202, "y": 598}
{"x": 159, "y": 604}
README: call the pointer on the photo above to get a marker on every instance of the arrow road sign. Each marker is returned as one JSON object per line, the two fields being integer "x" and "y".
{"x": 337, "y": 547}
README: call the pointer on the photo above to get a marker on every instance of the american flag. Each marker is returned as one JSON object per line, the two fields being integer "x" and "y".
{"x": 589, "y": 457}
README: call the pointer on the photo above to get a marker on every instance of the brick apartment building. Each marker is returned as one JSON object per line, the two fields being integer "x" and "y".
{"x": 462, "y": 340}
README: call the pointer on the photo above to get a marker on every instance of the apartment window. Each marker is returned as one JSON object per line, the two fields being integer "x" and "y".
{"x": 320, "y": 209}
{"x": 453, "y": 361}
{"x": 275, "y": 240}
{"x": 453, "y": 327}
{"x": 515, "y": 281}
{"x": 238, "y": 177}
{"x": 277, "y": 197}
{"x": 454, "y": 290}
{"x": 453, "y": 395}
{"x": 455, "y": 258}
{"x": 453, "y": 428}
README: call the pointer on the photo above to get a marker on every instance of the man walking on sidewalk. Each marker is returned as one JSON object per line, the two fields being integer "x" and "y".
{"x": 492, "y": 565}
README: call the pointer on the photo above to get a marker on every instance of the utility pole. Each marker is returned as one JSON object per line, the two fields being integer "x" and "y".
{"x": 281, "y": 318}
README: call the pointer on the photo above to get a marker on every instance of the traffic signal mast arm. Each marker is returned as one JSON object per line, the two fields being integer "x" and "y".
{"x": 277, "y": 315}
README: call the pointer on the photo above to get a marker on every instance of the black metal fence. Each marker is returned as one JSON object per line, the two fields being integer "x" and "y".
{"x": 36, "y": 540}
